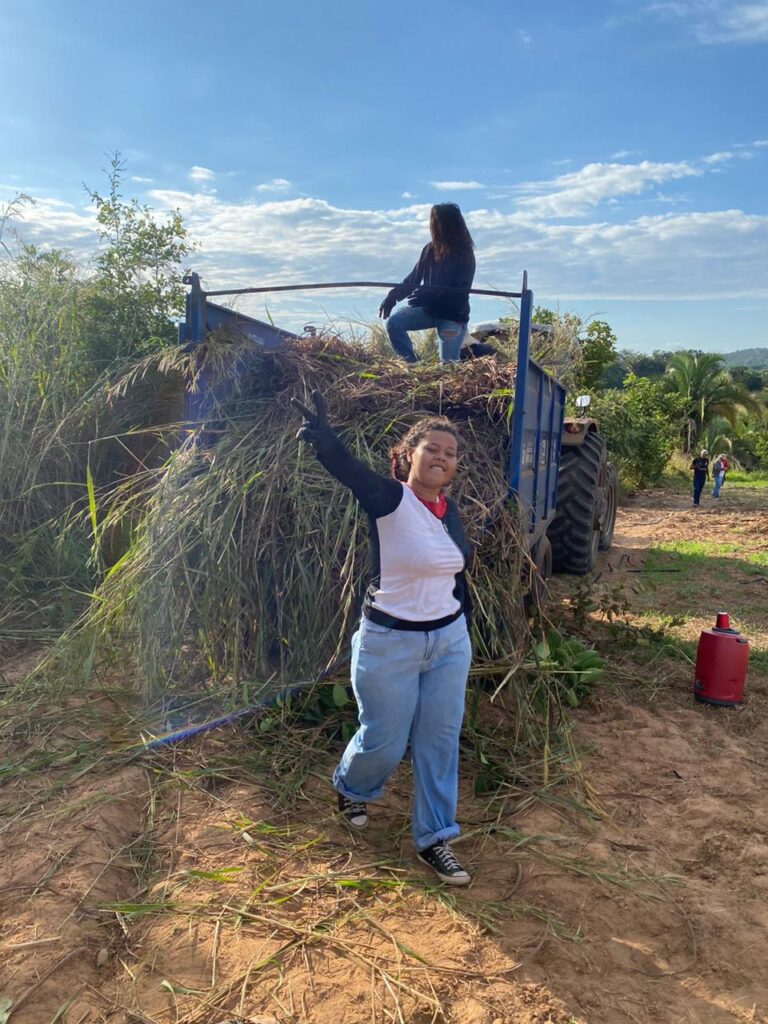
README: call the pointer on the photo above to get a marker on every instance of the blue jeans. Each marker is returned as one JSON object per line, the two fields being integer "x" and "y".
{"x": 410, "y": 690}
{"x": 718, "y": 484}
{"x": 699, "y": 479}
{"x": 450, "y": 334}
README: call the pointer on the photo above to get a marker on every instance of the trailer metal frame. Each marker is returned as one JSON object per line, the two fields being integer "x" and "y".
{"x": 539, "y": 399}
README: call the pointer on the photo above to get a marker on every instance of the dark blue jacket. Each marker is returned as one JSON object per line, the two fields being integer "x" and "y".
{"x": 440, "y": 286}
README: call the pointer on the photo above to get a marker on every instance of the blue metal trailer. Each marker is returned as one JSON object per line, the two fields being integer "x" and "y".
{"x": 537, "y": 425}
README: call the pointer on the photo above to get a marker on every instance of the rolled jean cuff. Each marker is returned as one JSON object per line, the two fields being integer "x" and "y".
{"x": 443, "y": 835}
{"x": 363, "y": 798}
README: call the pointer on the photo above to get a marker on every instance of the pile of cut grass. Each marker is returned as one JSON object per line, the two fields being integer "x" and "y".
{"x": 248, "y": 561}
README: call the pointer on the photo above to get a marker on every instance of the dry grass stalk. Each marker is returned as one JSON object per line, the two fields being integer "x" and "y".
{"x": 249, "y": 561}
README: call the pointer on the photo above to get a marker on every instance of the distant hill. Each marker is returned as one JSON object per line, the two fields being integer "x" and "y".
{"x": 755, "y": 358}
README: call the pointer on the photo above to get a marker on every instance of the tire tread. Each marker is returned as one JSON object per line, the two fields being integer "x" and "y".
{"x": 572, "y": 529}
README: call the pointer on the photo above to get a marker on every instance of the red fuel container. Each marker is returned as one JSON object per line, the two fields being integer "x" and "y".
{"x": 721, "y": 664}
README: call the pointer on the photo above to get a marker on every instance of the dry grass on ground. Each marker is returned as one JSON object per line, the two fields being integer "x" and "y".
{"x": 213, "y": 882}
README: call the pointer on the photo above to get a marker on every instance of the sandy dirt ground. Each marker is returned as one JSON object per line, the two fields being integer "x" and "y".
{"x": 185, "y": 887}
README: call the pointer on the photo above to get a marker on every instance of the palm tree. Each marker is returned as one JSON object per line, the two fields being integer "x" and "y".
{"x": 708, "y": 391}
{"x": 717, "y": 435}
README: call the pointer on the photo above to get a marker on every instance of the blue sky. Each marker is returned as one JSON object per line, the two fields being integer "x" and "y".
{"x": 617, "y": 150}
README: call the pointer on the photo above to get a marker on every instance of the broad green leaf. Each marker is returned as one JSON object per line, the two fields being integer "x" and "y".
{"x": 339, "y": 695}
{"x": 590, "y": 676}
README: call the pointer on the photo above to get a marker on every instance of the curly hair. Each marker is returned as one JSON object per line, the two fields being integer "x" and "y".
{"x": 398, "y": 453}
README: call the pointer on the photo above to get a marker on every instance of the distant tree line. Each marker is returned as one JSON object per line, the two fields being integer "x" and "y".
{"x": 650, "y": 405}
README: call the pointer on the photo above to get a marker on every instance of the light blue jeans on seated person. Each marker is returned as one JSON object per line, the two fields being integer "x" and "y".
{"x": 410, "y": 689}
{"x": 450, "y": 334}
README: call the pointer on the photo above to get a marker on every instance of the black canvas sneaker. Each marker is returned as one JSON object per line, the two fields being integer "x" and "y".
{"x": 353, "y": 812}
{"x": 440, "y": 858}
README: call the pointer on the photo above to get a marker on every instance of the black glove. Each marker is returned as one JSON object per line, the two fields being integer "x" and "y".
{"x": 387, "y": 306}
{"x": 315, "y": 430}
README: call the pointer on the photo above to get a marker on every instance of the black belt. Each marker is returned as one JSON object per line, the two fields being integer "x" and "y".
{"x": 383, "y": 619}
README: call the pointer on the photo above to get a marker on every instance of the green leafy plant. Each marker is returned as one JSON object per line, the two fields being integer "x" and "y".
{"x": 641, "y": 424}
{"x": 65, "y": 332}
{"x": 583, "y": 601}
{"x": 573, "y": 667}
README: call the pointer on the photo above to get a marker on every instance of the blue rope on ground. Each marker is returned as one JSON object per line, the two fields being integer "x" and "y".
{"x": 177, "y": 735}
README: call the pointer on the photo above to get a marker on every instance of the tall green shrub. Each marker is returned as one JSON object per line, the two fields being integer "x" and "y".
{"x": 641, "y": 425}
{"x": 64, "y": 332}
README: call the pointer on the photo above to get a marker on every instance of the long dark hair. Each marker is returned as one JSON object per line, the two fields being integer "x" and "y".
{"x": 398, "y": 453}
{"x": 449, "y": 230}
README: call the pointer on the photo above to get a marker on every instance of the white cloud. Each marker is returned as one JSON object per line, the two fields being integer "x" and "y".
{"x": 760, "y": 143}
{"x": 669, "y": 8}
{"x": 201, "y": 174}
{"x": 408, "y": 195}
{"x": 571, "y": 194}
{"x": 622, "y": 154}
{"x": 667, "y": 200}
{"x": 666, "y": 255}
{"x": 742, "y": 23}
{"x": 725, "y": 155}
{"x": 718, "y": 158}
{"x": 275, "y": 185}
{"x": 51, "y": 223}
{"x": 142, "y": 181}
{"x": 669, "y": 254}
{"x": 708, "y": 21}
{"x": 456, "y": 186}
{"x": 525, "y": 37}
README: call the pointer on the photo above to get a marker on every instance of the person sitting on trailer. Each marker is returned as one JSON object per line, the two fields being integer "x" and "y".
{"x": 437, "y": 289}
{"x": 411, "y": 652}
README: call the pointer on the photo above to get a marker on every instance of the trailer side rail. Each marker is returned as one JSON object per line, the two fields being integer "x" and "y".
{"x": 539, "y": 401}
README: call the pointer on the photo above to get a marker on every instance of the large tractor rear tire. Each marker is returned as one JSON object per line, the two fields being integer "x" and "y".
{"x": 575, "y": 530}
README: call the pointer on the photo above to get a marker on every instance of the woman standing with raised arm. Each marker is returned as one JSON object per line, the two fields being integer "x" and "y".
{"x": 411, "y": 652}
{"x": 437, "y": 288}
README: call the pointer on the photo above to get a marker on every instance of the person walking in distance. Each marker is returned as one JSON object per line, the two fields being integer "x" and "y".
{"x": 700, "y": 467}
{"x": 719, "y": 468}
{"x": 411, "y": 652}
{"x": 718, "y": 475}
{"x": 437, "y": 289}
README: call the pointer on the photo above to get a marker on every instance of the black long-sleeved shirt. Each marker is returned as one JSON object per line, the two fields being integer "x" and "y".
{"x": 417, "y": 560}
{"x": 432, "y": 284}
